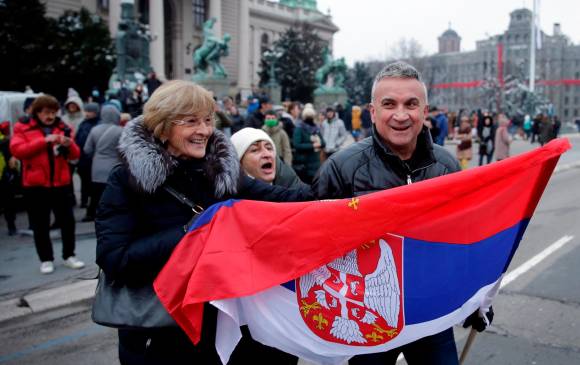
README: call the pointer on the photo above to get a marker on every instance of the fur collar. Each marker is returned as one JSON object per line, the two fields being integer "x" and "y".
{"x": 150, "y": 164}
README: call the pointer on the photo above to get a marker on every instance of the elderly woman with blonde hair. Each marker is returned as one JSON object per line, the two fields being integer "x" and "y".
{"x": 172, "y": 151}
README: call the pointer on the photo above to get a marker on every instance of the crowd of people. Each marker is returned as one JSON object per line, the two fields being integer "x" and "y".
{"x": 135, "y": 159}
{"x": 492, "y": 132}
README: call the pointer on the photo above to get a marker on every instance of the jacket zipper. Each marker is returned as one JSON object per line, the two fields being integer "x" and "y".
{"x": 409, "y": 180}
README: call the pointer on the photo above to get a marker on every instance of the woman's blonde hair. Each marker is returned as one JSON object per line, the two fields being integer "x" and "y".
{"x": 174, "y": 100}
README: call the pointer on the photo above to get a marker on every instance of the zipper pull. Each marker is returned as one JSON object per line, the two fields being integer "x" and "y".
{"x": 409, "y": 181}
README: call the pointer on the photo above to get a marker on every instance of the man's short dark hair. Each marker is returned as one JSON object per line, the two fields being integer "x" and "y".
{"x": 270, "y": 112}
{"x": 264, "y": 100}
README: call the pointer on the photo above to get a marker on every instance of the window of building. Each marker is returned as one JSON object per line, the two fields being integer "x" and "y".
{"x": 264, "y": 43}
{"x": 575, "y": 112}
{"x": 577, "y": 75}
{"x": 565, "y": 112}
{"x": 103, "y": 4}
{"x": 566, "y": 100}
{"x": 199, "y": 11}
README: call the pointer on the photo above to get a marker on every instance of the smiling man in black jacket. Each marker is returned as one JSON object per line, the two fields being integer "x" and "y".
{"x": 399, "y": 152}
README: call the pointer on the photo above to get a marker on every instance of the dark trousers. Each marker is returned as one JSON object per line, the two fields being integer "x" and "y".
{"x": 488, "y": 155}
{"x": 7, "y": 203}
{"x": 438, "y": 349}
{"x": 41, "y": 201}
{"x": 86, "y": 184}
{"x": 172, "y": 346}
{"x": 97, "y": 190}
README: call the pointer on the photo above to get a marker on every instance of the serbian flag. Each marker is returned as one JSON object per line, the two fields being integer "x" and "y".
{"x": 326, "y": 280}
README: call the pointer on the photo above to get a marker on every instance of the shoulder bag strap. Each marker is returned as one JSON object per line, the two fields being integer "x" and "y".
{"x": 196, "y": 208}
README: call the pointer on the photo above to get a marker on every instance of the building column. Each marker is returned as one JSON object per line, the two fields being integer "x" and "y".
{"x": 244, "y": 83}
{"x": 215, "y": 11}
{"x": 255, "y": 78}
{"x": 157, "y": 46}
{"x": 114, "y": 16}
{"x": 187, "y": 36}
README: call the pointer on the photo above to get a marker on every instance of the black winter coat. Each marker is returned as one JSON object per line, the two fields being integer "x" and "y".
{"x": 138, "y": 224}
{"x": 81, "y": 138}
{"x": 369, "y": 166}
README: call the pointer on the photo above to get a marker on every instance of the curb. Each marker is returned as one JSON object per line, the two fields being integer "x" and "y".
{"x": 85, "y": 289}
{"x": 567, "y": 167}
{"x": 47, "y": 299}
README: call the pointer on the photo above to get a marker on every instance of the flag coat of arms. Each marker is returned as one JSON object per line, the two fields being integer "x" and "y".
{"x": 327, "y": 280}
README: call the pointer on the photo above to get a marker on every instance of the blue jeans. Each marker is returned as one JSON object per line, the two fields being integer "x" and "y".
{"x": 438, "y": 349}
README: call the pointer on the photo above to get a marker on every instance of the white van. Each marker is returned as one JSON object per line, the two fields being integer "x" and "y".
{"x": 11, "y": 103}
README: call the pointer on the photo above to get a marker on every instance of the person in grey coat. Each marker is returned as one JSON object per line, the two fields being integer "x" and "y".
{"x": 101, "y": 146}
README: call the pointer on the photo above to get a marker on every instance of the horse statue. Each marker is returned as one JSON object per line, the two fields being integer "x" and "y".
{"x": 336, "y": 68}
{"x": 212, "y": 49}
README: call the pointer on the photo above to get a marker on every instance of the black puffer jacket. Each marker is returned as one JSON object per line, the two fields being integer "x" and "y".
{"x": 138, "y": 225}
{"x": 370, "y": 166}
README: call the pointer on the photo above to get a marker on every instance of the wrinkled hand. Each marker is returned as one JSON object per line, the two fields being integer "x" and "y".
{"x": 479, "y": 321}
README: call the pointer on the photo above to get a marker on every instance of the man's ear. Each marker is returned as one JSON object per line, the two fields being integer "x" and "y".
{"x": 373, "y": 111}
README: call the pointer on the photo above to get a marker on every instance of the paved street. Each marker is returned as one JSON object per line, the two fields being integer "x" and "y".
{"x": 537, "y": 314}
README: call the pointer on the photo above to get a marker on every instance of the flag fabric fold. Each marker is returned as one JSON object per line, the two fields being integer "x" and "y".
{"x": 328, "y": 279}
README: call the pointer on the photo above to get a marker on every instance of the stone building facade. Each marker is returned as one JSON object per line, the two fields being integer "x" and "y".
{"x": 455, "y": 78}
{"x": 176, "y": 30}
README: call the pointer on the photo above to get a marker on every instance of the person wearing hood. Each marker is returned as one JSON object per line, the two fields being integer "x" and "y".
{"x": 45, "y": 145}
{"x": 308, "y": 143}
{"x": 84, "y": 165}
{"x": 275, "y": 129}
{"x": 101, "y": 148}
{"x": 173, "y": 151}
{"x": 73, "y": 114}
{"x": 333, "y": 131}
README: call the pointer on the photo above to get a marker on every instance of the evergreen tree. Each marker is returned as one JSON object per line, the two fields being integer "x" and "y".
{"x": 358, "y": 84}
{"x": 86, "y": 52}
{"x": 300, "y": 50}
{"x": 52, "y": 55}
{"x": 26, "y": 45}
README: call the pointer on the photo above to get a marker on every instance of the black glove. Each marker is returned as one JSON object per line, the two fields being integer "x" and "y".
{"x": 478, "y": 323}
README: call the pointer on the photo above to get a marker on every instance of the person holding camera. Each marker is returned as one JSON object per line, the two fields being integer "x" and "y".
{"x": 45, "y": 145}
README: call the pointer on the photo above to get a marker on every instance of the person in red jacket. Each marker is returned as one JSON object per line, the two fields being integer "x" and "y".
{"x": 45, "y": 145}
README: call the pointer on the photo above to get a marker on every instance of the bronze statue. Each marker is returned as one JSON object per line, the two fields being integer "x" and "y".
{"x": 335, "y": 68}
{"x": 212, "y": 49}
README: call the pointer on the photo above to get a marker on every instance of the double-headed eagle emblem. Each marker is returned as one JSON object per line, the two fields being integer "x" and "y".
{"x": 354, "y": 298}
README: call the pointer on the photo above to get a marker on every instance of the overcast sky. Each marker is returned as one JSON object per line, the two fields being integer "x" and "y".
{"x": 370, "y": 28}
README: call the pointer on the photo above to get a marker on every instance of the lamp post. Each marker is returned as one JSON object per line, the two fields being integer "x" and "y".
{"x": 272, "y": 57}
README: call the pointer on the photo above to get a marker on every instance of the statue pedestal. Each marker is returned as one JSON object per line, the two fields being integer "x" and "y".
{"x": 328, "y": 96}
{"x": 218, "y": 86}
{"x": 275, "y": 94}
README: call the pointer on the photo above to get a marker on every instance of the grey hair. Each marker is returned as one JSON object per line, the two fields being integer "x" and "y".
{"x": 401, "y": 70}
